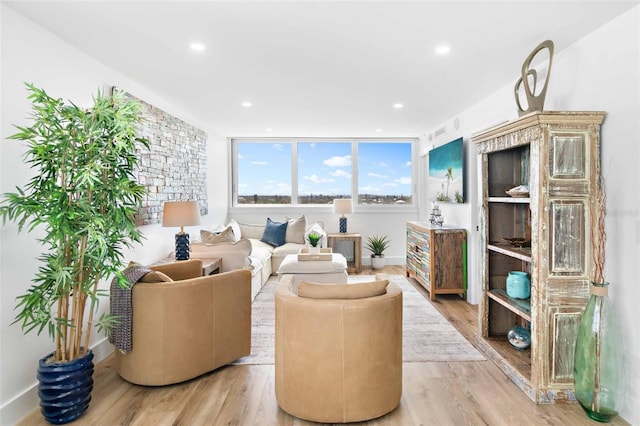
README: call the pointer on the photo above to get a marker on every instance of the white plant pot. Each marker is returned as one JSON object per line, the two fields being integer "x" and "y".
{"x": 314, "y": 250}
{"x": 377, "y": 262}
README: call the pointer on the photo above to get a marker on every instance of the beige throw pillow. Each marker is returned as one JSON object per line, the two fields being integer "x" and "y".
{"x": 295, "y": 230}
{"x": 342, "y": 291}
{"x": 155, "y": 277}
{"x": 225, "y": 236}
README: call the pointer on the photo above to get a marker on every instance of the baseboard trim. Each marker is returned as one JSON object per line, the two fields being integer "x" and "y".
{"x": 23, "y": 404}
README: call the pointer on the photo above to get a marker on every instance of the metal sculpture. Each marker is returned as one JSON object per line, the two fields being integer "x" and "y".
{"x": 530, "y": 76}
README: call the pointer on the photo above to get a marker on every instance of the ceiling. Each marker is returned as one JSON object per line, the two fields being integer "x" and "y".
{"x": 319, "y": 68}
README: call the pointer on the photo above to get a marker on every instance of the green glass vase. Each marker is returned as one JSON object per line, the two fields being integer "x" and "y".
{"x": 598, "y": 369}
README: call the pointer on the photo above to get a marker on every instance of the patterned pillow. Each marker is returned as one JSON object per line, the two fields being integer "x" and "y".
{"x": 274, "y": 233}
{"x": 225, "y": 236}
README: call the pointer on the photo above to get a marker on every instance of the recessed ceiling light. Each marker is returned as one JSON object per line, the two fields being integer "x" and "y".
{"x": 197, "y": 47}
{"x": 398, "y": 105}
{"x": 269, "y": 130}
{"x": 443, "y": 50}
{"x": 247, "y": 104}
{"x": 378, "y": 130}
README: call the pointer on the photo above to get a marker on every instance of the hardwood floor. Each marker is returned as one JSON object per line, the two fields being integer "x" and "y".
{"x": 434, "y": 393}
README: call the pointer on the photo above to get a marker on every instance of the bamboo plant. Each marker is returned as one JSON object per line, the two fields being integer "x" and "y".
{"x": 83, "y": 195}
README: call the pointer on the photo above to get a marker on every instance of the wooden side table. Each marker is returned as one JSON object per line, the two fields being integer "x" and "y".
{"x": 209, "y": 266}
{"x": 352, "y": 254}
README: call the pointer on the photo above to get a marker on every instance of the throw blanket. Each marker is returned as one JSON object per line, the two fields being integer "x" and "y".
{"x": 120, "y": 335}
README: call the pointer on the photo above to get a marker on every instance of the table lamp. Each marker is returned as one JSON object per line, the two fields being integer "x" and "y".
{"x": 181, "y": 213}
{"x": 343, "y": 206}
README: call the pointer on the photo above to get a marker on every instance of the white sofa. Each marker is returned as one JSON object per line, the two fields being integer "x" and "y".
{"x": 249, "y": 251}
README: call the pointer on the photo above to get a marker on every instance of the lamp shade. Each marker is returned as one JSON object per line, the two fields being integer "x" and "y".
{"x": 180, "y": 213}
{"x": 342, "y": 206}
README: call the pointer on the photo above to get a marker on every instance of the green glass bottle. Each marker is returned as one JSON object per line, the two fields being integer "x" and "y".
{"x": 598, "y": 369}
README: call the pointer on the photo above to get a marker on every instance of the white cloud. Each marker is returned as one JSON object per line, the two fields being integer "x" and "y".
{"x": 318, "y": 179}
{"x": 336, "y": 161}
{"x": 341, "y": 173}
{"x": 368, "y": 189}
{"x": 277, "y": 146}
{"x": 408, "y": 164}
{"x": 404, "y": 181}
{"x": 383, "y": 164}
{"x": 240, "y": 157}
{"x": 390, "y": 184}
{"x": 260, "y": 163}
{"x": 376, "y": 175}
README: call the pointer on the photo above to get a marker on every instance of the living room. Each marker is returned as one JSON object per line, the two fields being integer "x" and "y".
{"x": 598, "y": 71}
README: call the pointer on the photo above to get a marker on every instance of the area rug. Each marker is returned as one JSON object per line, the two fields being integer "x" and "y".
{"x": 426, "y": 334}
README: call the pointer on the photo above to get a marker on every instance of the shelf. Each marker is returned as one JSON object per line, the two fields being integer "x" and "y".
{"x": 513, "y": 200}
{"x": 521, "y": 307}
{"x": 523, "y": 253}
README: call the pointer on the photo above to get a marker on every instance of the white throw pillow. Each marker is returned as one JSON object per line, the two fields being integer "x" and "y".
{"x": 235, "y": 226}
{"x": 295, "y": 230}
{"x": 316, "y": 228}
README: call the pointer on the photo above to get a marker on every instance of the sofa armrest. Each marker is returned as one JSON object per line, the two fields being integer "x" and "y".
{"x": 234, "y": 255}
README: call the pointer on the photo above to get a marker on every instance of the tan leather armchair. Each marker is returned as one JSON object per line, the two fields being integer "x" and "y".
{"x": 188, "y": 327}
{"x": 338, "y": 360}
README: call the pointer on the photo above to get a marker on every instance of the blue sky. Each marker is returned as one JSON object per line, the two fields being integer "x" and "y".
{"x": 324, "y": 168}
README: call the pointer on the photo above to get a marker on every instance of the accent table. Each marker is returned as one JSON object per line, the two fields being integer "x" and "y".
{"x": 352, "y": 254}
{"x": 210, "y": 266}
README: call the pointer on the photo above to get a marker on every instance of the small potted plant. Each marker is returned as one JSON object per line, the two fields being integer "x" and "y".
{"x": 377, "y": 244}
{"x": 314, "y": 239}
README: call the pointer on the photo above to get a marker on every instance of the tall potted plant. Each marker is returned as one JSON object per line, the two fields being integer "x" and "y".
{"x": 83, "y": 195}
{"x": 377, "y": 244}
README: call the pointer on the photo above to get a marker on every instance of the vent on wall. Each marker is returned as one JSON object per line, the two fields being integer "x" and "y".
{"x": 442, "y": 130}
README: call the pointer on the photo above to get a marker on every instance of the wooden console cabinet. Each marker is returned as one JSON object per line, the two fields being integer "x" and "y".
{"x": 437, "y": 258}
{"x": 556, "y": 154}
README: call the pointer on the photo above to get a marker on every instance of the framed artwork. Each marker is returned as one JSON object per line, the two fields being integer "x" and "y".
{"x": 445, "y": 180}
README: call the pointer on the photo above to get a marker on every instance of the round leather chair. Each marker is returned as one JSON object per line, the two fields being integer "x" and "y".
{"x": 338, "y": 350}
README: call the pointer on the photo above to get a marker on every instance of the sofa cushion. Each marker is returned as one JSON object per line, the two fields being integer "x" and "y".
{"x": 291, "y": 265}
{"x": 274, "y": 233}
{"x": 295, "y": 230}
{"x": 251, "y": 230}
{"x": 226, "y": 236}
{"x": 235, "y": 227}
{"x": 342, "y": 291}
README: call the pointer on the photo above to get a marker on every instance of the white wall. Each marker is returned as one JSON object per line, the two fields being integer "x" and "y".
{"x": 31, "y": 54}
{"x": 600, "y": 72}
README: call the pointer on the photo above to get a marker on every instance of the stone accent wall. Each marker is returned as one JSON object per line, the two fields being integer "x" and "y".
{"x": 175, "y": 166}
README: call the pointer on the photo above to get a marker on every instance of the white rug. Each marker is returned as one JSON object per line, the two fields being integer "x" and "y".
{"x": 426, "y": 334}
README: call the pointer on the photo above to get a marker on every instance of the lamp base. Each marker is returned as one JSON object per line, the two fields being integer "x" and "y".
{"x": 182, "y": 246}
{"x": 343, "y": 225}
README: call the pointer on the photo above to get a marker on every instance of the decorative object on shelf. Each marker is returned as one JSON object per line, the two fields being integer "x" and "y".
{"x": 82, "y": 200}
{"x": 529, "y": 80}
{"x": 343, "y": 206}
{"x": 65, "y": 389}
{"x": 518, "y": 285}
{"x": 598, "y": 361}
{"x": 436, "y": 218}
{"x": 446, "y": 172}
{"x": 181, "y": 213}
{"x": 519, "y": 337}
{"x": 518, "y": 242}
{"x": 520, "y": 191}
{"x": 377, "y": 244}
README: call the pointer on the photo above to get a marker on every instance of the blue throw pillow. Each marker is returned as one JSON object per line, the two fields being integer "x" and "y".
{"x": 274, "y": 233}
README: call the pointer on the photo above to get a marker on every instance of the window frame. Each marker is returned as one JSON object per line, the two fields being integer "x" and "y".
{"x": 233, "y": 172}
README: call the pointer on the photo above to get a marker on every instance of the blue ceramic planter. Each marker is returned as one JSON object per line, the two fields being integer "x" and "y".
{"x": 518, "y": 285}
{"x": 65, "y": 388}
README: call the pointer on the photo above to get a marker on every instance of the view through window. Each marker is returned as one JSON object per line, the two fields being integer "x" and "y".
{"x": 287, "y": 171}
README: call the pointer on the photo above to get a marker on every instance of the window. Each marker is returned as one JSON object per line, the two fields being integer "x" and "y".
{"x": 305, "y": 171}
{"x": 264, "y": 173}
{"x": 324, "y": 172}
